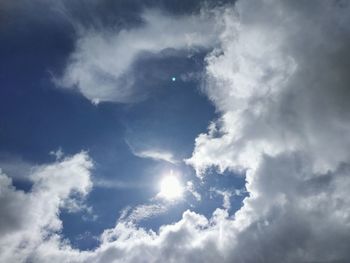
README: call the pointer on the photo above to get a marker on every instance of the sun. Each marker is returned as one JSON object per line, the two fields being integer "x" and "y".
{"x": 170, "y": 188}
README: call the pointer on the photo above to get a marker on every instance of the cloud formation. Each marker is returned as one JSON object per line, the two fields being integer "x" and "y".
{"x": 101, "y": 65}
{"x": 30, "y": 220}
{"x": 142, "y": 212}
{"x": 157, "y": 155}
{"x": 280, "y": 82}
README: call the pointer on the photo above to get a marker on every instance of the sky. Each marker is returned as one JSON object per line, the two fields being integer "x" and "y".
{"x": 174, "y": 131}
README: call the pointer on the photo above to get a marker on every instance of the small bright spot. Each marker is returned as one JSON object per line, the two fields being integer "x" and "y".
{"x": 170, "y": 188}
{"x": 173, "y": 79}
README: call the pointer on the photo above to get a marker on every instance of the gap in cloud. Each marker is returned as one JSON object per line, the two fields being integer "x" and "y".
{"x": 176, "y": 111}
{"x": 170, "y": 117}
{"x": 215, "y": 186}
{"x": 168, "y": 120}
{"x": 280, "y": 82}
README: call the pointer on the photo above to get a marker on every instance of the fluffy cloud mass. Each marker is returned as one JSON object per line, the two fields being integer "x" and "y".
{"x": 29, "y": 220}
{"x": 280, "y": 81}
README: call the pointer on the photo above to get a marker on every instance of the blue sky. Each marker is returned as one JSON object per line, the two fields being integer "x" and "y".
{"x": 243, "y": 103}
{"x": 40, "y": 118}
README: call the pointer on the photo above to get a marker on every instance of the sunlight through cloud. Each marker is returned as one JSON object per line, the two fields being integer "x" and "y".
{"x": 170, "y": 187}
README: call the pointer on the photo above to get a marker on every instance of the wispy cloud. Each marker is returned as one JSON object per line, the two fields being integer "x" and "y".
{"x": 226, "y": 195}
{"x": 116, "y": 183}
{"x": 153, "y": 153}
{"x": 58, "y": 154}
{"x": 143, "y": 212}
{"x": 190, "y": 188}
{"x": 157, "y": 155}
{"x": 101, "y": 65}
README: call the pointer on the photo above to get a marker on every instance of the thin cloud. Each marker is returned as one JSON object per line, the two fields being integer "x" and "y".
{"x": 117, "y": 184}
{"x": 157, "y": 155}
{"x": 143, "y": 212}
{"x": 101, "y": 65}
{"x": 154, "y": 154}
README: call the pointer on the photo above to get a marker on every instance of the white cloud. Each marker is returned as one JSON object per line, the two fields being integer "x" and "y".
{"x": 280, "y": 86}
{"x": 189, "y": 239}
{"x": 58, "y": 154}
{"x": 190, "y": 188}
{"x": 280, "y": 82}
{"x": 100, "y": 67}
{"x": 28, "y": 219}
{"x": 142, "y": 212}
{"x": 158, "y": 155}
{"x": 226, "y": 195}
{"x": 15, "y": 166}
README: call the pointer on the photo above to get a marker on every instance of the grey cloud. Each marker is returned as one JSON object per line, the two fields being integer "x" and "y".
{"x": 15, "y": 166}
{"x": 280, "y": 83}
{"x": 281, "y": 86}
{"x": 293, "y": 219}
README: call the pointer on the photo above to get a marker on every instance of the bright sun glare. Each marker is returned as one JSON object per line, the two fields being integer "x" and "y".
{"x": 170, "y": 188}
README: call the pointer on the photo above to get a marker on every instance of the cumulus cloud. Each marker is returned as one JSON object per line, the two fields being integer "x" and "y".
{"x": 280, "y": 82}
{"x": 15, "y": 166}
{"x": 29, "y": 219}
{"x": 101, "y": 65}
